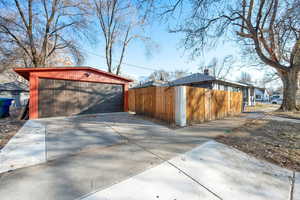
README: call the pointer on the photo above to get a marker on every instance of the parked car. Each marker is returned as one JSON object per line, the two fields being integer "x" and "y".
{"x": 276, "y": 100}
{"x": 276, "y": 97}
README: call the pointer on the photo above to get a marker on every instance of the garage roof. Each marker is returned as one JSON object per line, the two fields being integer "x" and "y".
{"x": 26, "y": 71}
{"x": 14, "y": 86}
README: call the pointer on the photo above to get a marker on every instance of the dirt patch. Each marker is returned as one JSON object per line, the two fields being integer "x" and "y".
{"x": 9, "y": 126}
{"x": 274, "y": 141}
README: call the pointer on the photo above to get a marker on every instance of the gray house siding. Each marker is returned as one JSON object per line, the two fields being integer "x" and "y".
{"x": 208, "y": 85}
{"x": 15, "y": 90}
{"x": 226, "y": 87}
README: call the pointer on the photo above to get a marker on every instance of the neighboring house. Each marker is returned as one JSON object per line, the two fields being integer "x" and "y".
{"x": 251, "y": 94}
{"x": 258, "y": 94}
{"x": 204, "y": 80}
{"x": 261, "y": 94}
{"x": 16, "y": 90}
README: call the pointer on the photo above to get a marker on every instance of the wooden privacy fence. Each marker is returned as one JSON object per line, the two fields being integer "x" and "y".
{"x": 157, "y": 102}
{"x": 192, "y": 104}
{"x": 205, "y": 105}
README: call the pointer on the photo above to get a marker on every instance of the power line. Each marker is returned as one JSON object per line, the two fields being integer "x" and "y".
{"x": 124, "y": 63}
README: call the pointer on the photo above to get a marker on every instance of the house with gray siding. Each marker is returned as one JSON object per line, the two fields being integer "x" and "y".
{"x": 204, "y": 80}
{"x": 15, "y": 90}
{"x": 251, "y": 93}
{"x": 261, "y": 94}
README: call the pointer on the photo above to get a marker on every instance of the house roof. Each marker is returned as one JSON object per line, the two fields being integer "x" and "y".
{"x": 154, "y": 83}
{"x": 199, "y": 77}
{"x": 13, "y": 86}
{"x": 256, "y": 87}
{"x": 26, "y": 71}
{"x": 5, "y": 78}
{"x": 194, "y": 78}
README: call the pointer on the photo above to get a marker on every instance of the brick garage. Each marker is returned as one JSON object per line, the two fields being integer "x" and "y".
{"x": 67, "y": 91}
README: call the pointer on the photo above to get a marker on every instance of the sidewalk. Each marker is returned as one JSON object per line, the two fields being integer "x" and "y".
{"x": 210, "y": 171}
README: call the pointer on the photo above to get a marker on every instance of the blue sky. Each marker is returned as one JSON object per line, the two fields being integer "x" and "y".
{"x": 169, "y": 55}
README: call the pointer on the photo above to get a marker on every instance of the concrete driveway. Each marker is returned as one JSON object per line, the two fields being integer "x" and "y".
{"x": 85, "y": 153}
{"x": 102, "y": 156}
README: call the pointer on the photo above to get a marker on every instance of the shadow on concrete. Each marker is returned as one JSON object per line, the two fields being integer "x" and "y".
{"x": 92, "y": 152}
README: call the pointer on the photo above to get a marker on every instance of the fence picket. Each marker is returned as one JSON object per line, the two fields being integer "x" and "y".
{"x": 201, "y": 104}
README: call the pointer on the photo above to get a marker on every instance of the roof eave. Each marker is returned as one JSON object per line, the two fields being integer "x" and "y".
{"x": 24, "y": 72}
{"x": 232, "y": 83}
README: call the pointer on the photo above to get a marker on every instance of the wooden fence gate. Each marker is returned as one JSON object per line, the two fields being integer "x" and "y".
{"x": 157, "y": 102}
{"x": 205, "y": 105}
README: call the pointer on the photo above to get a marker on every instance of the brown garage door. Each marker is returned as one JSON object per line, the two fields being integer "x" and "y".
{"x": 66, "y": 98}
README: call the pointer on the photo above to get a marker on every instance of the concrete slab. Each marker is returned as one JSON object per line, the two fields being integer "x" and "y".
{"x": 264, "y": 116}
{"x": 51, "y": 138}
{"x": 160, "y": 140}
{"x": 117, "y": 117}
{"x": 161, "y": 182}
{"x": 166, "y": 142}
{"x": 282, "y": 119}
{"x": 231, "y": 173}
{"x": 71, "y": 139}
{"x": 297, "y": 187}
{"x": 210, "y": 129}
{"x": 26, "y": 148}
{"x": 75, "y": 176}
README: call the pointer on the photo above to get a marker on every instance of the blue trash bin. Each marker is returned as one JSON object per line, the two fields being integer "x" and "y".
{"x": 4, "y": 106}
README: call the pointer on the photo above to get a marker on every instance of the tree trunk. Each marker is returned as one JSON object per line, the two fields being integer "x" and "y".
{"x": 108, "y": 58}
{"x": 290, "y": 91}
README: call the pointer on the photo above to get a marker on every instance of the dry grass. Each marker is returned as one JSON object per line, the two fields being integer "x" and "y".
{"x": 276, "y": 142}
{"x": 271, "y": 109}
{"x": 262, "y": 107}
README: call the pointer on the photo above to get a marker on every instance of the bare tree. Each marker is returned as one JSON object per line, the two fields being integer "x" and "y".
{"x": 269, "y": 79}
{"x": 217, "y": 68}
{"x": 245, "y": 78}
{"x": 160, "y": 75}
{"x": 179, "y": 74}
{"x": 42, "y": 28}
{"x": 267, "y": 29}
{"x": 120, "y": 24}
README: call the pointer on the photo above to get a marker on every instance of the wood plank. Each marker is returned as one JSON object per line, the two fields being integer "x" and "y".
{"x": 155, "y": 102}
{"x": 206, "y": 105}
{"x": 202, "y": 104}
